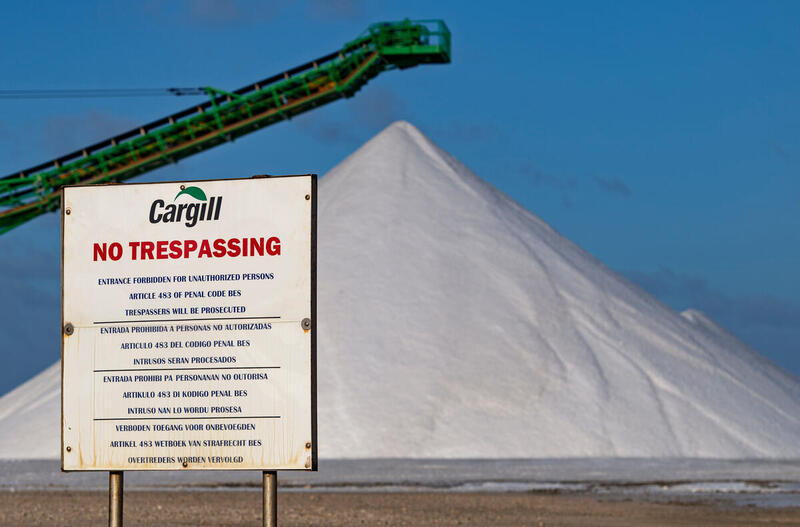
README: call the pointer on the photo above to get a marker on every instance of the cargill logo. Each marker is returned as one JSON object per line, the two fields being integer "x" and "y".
{"x": 187, "y": 210}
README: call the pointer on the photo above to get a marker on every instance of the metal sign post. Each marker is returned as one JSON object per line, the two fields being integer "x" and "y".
{"x": 115, "y": 485}
{"x": 269, "y": 500}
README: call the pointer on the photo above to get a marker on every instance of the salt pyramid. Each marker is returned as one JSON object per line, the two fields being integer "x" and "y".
{"x": 453, "y": 323}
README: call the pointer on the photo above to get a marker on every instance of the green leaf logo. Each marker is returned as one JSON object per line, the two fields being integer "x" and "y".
{"x": 195, "y": 192}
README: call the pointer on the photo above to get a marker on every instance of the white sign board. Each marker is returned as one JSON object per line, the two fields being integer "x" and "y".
{"x": 188, "y": 325}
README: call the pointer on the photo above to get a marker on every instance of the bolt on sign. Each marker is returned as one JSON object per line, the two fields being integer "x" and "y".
{"x": 188, "y": 323}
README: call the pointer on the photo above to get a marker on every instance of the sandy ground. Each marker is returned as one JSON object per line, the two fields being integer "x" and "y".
{"x": 144, "y": 508}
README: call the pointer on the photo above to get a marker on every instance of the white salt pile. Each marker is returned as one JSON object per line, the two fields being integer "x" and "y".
{"x": 455, "y": 323}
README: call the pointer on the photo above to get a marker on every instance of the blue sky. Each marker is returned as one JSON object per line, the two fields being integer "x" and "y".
{"x": 664, "y": 138}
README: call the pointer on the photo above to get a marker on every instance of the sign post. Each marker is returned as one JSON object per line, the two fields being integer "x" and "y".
{"x": 269, "y": 498}
{"x": 189, "y": 329}
{"x": 115, "y": 486}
